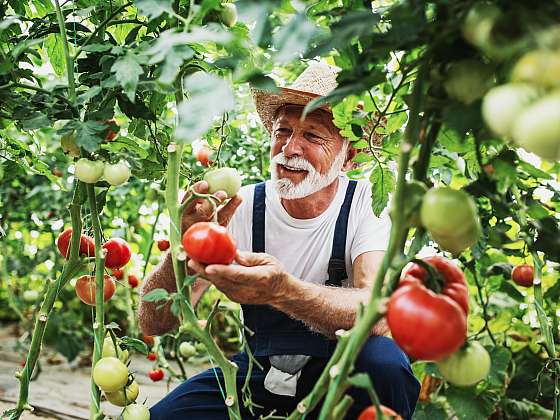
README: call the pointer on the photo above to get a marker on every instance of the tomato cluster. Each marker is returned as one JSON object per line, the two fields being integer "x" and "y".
{"x": 87, "y": 244}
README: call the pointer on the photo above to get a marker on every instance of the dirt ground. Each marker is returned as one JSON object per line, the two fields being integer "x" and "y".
{"x": 62, "y": 390}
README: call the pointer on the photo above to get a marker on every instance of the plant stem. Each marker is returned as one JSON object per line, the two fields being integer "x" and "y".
{"x": 99, "y": 323}
{"x": 68, "y": 58}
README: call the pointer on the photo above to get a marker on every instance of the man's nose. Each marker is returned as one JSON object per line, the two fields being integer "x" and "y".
{"x": 294, "y": 145}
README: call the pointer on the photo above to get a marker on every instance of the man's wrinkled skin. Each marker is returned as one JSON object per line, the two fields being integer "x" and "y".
{"x": 259, "y": 278}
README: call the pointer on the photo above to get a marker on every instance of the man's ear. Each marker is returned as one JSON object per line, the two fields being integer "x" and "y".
{"x": 350, "y": 153}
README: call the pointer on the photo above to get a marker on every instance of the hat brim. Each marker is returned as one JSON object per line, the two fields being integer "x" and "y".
{"x": 268, "y": 102}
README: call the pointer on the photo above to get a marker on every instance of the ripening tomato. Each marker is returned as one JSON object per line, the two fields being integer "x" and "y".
{"x": 203, "y": 156}
{"x": 186, "y": 349}
{"x": 223, "y": 179}
{"x": 69, "y": 145}
{"x": 110, "y": 350}
{"x": 451, "y": 218}
{"x": 148, "y": 339}
{"x": 117, "y": 273}
{"x": 110, "y": 374}
{"x": 116, "y": 174}
{"x": 541, "y": 67}
{"x": 209, "y": 243}
{"x": 112, "y": 131}
{"x": 57, "y": 172}
{"x": 152, "y": 356}
{"x": 370, "y": 413}
{"x": 468, "y": 80}
{"x": 156, "y": 374}
{"x": 118, "y": 398}
{"x": 523, "y": 275}
{"x": 425, "y": 324}
{"x": 163, "y": 244}
{"x": 229, "y": 14}
{"x": 478, "y": 24}
{"x": 467, "y": 366}
{"x": 85, "y": 289}
{"x": 118, "y": 253}
{"x": 136, "y": 412}
{"x": 87, "y": 244}
{"x": 133, "y": 281}
{"x": 89, "y": 171}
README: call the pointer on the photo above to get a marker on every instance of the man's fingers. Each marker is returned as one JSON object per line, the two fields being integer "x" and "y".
{"x": 200, "y": 187}
{"x": 226, "y": 213}
{"x": 249, "y": 259}
{"x": 196, "y": 266}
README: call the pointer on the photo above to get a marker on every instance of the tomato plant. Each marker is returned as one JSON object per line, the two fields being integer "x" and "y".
{"x": 209, "y": 243}
{"x": 467, "y": 366}
{"x": 523, "y": 275}
{"x": 85, "y": 289}
{"x": 118, "y": 253}
{"x": 87, "y": 246}
{"x": 156, "y": 374}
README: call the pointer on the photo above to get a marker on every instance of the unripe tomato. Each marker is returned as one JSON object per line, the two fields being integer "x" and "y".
{"x": 152, "y": 356}
{"x": 87, "y": 244}
{"x": 163, "y": 244}
{"x": 148, "y": 339}
{"x": 136, "y": 412}
{"x": 541, "y": 67}
{"x": 116, "y": 174}
{"x": 133, "y": 281}
{"x": 110, "y": 374}
{"x": 537, "y": 129}
{"x": 187, "y": 349}
{"x": 523, "y": 275}
{"x": 209, "y": 243}
{"x": 118, "y": 398}
{"x": 156, "y": 374}
{"x": 118, "y": 253}
{"x": 223, "y": 179}
{"x": 57, "y": 172}
{"x": 30, "y": 296}
{"x": 425, "y": 324}
{"x": 228, "y": 14}
{"x": 502, "y": 105}
{"x": 69, "y": 145}
{"x": 468, "y": 80}
{"x": 203, "y": 156}
{"x": 109, "y": 350}
{"x": 370, "y": 413}
{"x": 117, "y": 273}
{"x": 112, "y": 131}
{"x": 478, "y": 24}
{"x": 89, "y": 171}
{"x": 451, "y": 218}
{"x": 85, "y": 289}
{"x": 467, "y": 366}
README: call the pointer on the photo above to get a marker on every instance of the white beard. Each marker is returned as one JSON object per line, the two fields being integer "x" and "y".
{"x": 314, "y": 181}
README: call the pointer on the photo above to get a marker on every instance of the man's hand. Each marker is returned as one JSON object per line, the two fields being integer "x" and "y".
{"x": 201, "y": 210}
{"x": 258, "y": 279}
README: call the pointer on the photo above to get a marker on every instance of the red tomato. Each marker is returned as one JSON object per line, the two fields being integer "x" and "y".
{"x": 156, "y": 374}
{"x": 112, "y": 131}
{"x": 523, "y": 275}
{"x": 118, "y": 253}
{"x": 22, "y": 363}
{"x": 87, "y": 244}
{"x": 118, "y": 273}
{"x": 370, "y": 413}
{"x": 148, "y": 339}
{"x": 163, "y": 244}
{"x": 133, "y": 281}
{"x": 425, "y": 324}
{"x": 209, "y": 243}
{"x": 203, "y": 156}
{"x": 152, "y": 356}
{"x": 85, "y": 289}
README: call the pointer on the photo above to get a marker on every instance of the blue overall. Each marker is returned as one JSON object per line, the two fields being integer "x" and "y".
{"x": 201, "y": 397}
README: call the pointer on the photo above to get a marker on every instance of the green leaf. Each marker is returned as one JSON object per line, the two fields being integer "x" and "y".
{"x": 209, "y": 97}
{"x": 127, "y": 71}
{"x": 97, "y": 47}
{"x": 156, "y": 295}
{"x": 88, "y": 94}
{"x": 135, "y": 344}
{"x": 382, "y": 183}
{"x": 501, "y": 358}
{"x": 87, "y": 134}
{"x": 292, "y": 39}
{"x": 154, "y": 8}
{"x": 429, "y": 411}
{"x": 56, "y": 53}
{"x": 466, "y": 405}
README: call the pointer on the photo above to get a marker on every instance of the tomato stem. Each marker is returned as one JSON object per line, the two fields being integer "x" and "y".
{"x": 434, "y": 280}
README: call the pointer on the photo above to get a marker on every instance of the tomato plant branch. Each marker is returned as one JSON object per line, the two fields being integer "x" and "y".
{"x": 68, "y": 58}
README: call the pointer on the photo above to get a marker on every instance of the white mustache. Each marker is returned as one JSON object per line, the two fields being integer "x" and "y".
{"x": 294, "y": 162}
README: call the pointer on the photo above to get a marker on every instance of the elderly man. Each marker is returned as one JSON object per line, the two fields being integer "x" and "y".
{"x": 315, "y": 249}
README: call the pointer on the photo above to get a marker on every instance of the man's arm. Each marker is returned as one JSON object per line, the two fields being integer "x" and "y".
{"x": 260, "y": 279}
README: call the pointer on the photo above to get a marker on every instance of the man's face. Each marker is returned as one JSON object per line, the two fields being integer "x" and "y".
{"x": 306, "y": 155}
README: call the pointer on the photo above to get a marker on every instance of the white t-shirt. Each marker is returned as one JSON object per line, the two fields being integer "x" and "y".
{"x": 304, "y": 246}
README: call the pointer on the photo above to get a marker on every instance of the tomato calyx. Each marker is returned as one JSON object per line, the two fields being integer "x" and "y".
{"x": 434, "y": 280}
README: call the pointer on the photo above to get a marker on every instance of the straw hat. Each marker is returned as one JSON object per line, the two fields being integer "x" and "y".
{"x": 318, "y": 79}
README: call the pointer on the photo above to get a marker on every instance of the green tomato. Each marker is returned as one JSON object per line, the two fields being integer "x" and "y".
{"x": 223, "y": 179}
{"x": 110, "y": 374}
{"x": 89, "y": 171}
{"x": 229, "y": 14}
{"x": 116, "y": 174}
{"x": 537, "y": 129}
{"x": 468, "y": 80}
{"x": 109, "y": 350}
{"x": 118, "y": 397}
{"x": 69, "y": 145}
{"x": 136, "y": 412}
{"x": 541, "y": 67}
{"x": 466, "y": 366}
{"x": 451, "y": 218}
{"x": 478, "y": 24}
{"x": 30, "y": 296}
{"x": 187, "y": 349}
{"x": 502, "y": 105}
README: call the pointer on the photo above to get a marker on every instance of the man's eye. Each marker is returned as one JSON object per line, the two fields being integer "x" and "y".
{"x": 283, "y": 131}
{"x": 313, "y": 136}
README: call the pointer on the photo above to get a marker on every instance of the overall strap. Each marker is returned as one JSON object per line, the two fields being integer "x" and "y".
{"x": 337, "y": 266}
{"x": 259, "y": 208}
